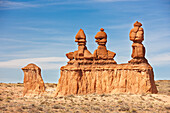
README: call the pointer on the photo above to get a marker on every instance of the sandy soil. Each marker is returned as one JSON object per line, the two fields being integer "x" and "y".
{"x": 11, "y": 100}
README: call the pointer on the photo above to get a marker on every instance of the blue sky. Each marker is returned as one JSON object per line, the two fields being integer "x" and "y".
{"x": 43, "y": 31}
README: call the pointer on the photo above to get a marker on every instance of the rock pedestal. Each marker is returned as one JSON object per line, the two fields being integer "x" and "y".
{"x": 99, "y": 73}
{"x": 115, "y": 78}
{"x": 33, "y": 82}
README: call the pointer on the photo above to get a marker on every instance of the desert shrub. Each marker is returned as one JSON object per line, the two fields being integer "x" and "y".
{"x": 32, "y": 105}
{"x": 60, "y": 97}
{"x": 143, "y": 94}
{"x": 96, "y": 108}
{"x": 8, "y": 85}
{"x": 40, "y": 108}
{"x": 167, "y": 107}
{"x": 120, "y": 101}
{"x": 150, "y": 106}
{"x": 93, "y": 99}
{"x": 104, "y": 100}
{"x": 58, "y": 107}
{"x": 157, "y": 84}
{"x": 71, "y": 96}
{"x": 111, "y": 108}
{"x": 115, "y": 98}
{"x": 85, "y": 98}
{"x": 77, "y": 112}
{"x": 84, "y": 109}
{"x": 133, "y": 110}
{"x": 44, "y": 102}
{"x": 1, "y": 99}
{"x": 142, "y": 98}
{"x": 20, "y": 84}
{"x": 19, "y": 110}
{"x": 52, "y": 85}
{"x": 104, "y": 95}
{"x": 96, "y": 103}
{"x": 124, "y": 108}
{"x": 25, "y": 107}
{"x": 8, "y": 98}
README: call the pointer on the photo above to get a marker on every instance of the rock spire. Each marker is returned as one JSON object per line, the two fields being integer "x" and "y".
{"x": 101, "y": 53}
{"x": 138, "y": 50}
{"x": 82, "y": 52}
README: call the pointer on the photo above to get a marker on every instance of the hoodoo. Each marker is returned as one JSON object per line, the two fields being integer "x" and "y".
{"x": 33, "y": 82}
{"x": 99, "y": 73}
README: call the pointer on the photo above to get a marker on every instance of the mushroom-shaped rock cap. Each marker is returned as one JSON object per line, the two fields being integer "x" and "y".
{"x": 137, "y": 24}
{"x": 80, "y": 35}
{"x": 31, "y": 66}
{"x": 101, "y": 34}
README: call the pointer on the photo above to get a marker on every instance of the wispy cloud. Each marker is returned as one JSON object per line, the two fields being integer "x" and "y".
{"x": 118, "y": 26}
{"x": 42, "y": 30}
{"x": 15, "y": 40}
{"x": 5, "y": 4}
{"x": 113, "y": 0}
{"x": 45, "y": 62}
{"x": 157, "y": 40}
{"x": 160, "y": 59}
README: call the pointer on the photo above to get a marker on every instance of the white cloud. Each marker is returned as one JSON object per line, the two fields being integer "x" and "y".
{"x": 45, "y": 63}
{"x": 113, "y": 0}
{"x": 160, "y": 59}
{"x": 5, "y": 4}
{"x": 42, "y": 30}
{"x": 157, "y": 41}
{"x": 118, "y": 26}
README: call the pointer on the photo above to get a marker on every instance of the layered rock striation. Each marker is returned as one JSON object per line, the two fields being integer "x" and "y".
{"x": 99, "y": 73}
{"x": 121, "y": 78}
{"x": 33, "y": 82}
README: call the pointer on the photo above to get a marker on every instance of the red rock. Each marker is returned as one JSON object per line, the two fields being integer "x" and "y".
{"x": 101, "y": 52}
{"x": 138, "y": 50}
{"x": 101, "y": 74}
{"x": 82, "y": 52}
{"x": 118, "y": 78}
{"x": 33, "y": 82}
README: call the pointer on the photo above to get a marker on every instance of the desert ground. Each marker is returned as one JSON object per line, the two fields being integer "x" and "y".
{"x": 11, "y": 100}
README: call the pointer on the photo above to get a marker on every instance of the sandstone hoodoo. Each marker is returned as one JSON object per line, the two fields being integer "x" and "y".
{"x": 138, "y": 50}
{"x": 33, "y": 82}
{"x": 99, "y": 73}
{"x": 82, "y": 53}
{"x": 101, "y": 53}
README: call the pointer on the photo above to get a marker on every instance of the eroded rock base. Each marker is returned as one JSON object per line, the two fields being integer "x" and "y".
{"x": 108, "y": 78}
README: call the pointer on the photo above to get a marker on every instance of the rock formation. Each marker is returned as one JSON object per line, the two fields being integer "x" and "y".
{"x": 82, "y": 52}
{"x": 101, "y": 53}
{"x": 99, "y": 73}
{"x": 33, "y": 82}
{"x": 82, "y": 55}
{"x": 138, "y": 50}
